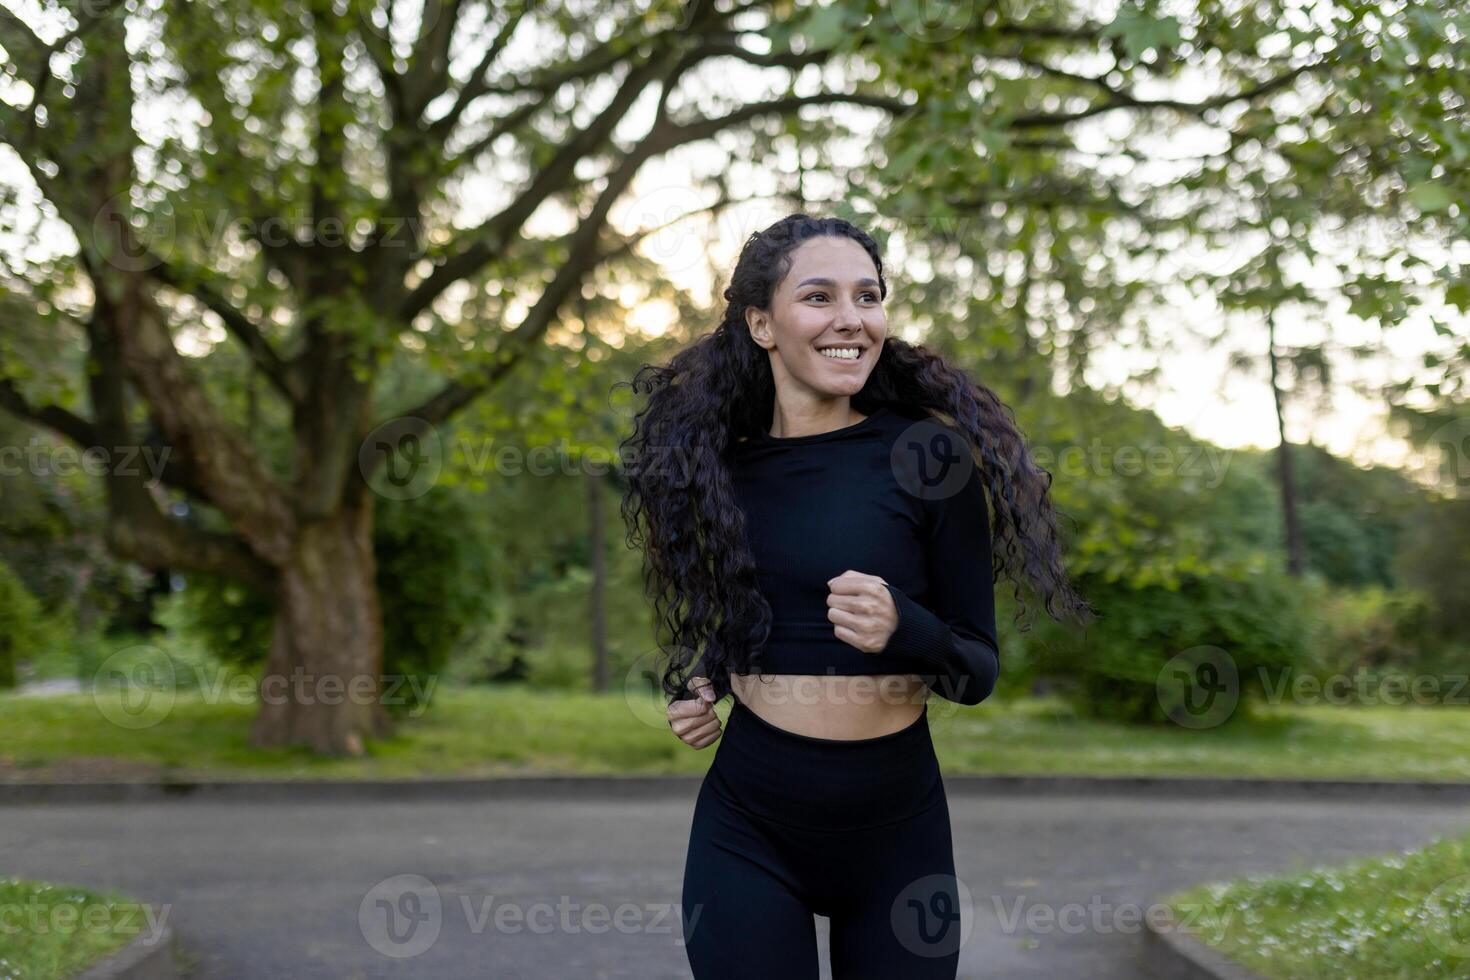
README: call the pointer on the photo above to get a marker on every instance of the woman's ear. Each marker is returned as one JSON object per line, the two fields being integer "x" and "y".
{"x": 759, "y": 323}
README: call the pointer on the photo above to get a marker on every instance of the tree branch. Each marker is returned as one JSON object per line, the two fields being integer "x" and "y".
{"x": 478, "y": 246}
{"x": 582, "y": 257}
{"x": 241, "y": 327}
{"x": 428, "y": 70}
{"x": 53, "y": 417}
{"x": 478, "y": 83}
{"x": 128, "y": 333}
{"x": 1086, "y": 31}
{"x": 137, "y": 529}
{"x": 1120, "y": 99}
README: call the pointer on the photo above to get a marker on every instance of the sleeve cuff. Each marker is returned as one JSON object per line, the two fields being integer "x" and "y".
{"x": 920, "y": 633}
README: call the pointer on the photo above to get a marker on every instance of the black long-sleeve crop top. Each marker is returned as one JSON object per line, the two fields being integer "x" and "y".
{"x": 892, "y": 496}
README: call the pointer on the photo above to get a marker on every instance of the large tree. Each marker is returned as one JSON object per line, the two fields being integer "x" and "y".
{"x": 301, "y": 182}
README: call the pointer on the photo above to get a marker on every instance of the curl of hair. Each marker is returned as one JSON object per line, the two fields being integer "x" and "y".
{"x": 680, "y": 507}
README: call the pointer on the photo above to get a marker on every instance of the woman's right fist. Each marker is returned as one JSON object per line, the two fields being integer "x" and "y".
{"x": 694, "y": 719}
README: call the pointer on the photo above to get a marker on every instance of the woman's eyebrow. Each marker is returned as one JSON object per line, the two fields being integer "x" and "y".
{"x": 833, "y": 282}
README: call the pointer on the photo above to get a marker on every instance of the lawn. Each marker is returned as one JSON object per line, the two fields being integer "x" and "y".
{"x": 487, "y": 731}
{"x": 56, "y": 930}
{"x": 1398, "y": 916}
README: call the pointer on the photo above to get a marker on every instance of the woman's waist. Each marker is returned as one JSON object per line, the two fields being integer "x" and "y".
{"x": 828, "y": 783}
{"x": 834, "y": 706}
{"x": 857, "y": 704}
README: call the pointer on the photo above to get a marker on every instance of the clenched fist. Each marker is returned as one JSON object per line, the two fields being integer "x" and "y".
{"x": 861, "y": 610}
{"x": 694, "y": 719}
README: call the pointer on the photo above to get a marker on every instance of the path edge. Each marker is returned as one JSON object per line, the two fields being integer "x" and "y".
{"x": 1175, "y": 952}
{"x": 139, "y": 959}
{"x": 677, "y": 785}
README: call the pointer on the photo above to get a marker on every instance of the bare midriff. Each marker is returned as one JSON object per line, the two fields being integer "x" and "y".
{"x": 836, "y": 707}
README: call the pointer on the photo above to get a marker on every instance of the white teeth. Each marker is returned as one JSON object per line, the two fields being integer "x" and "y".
{"x": 842, "y": 353}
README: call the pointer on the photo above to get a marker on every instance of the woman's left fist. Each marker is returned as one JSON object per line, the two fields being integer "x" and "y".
{"x": 861, "y": 610}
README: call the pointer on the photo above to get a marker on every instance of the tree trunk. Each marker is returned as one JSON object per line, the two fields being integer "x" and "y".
{"x": 322, "y": 682}
{"x": 1292, "y": 535}
{"x": 595, "y": 534}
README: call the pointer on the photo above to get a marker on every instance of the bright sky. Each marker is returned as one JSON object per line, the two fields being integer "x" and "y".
{"x": 1232, "y": 411}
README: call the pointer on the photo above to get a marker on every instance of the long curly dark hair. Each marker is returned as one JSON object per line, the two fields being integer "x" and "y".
{"x": 680, "y": 507}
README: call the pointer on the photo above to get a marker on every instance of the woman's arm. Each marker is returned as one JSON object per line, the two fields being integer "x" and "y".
{"x": 956, "y": 637}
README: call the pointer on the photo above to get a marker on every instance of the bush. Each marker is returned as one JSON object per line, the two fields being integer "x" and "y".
{"x": 1111, "y": 670}
{"x": 1372, "y": 627}
{"x": 20, "y": 624}
{"x": 432, "y": 582}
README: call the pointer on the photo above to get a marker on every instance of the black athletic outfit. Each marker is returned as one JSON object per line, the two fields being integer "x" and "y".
{"x": 788, "y": 825}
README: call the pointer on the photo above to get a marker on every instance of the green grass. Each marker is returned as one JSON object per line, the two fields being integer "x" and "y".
{"x": 1401, "y": 916}
{"x": 53, "y": 930}
{"x": 488, "y": 731}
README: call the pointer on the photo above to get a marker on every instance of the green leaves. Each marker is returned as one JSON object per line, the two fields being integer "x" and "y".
{"x": 825, "y": 26}
{"x": 1139, "y": 31}
{"x": 1428, "y": 197}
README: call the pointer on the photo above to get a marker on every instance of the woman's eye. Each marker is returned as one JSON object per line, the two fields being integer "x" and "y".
{"x": 870, "y": 295}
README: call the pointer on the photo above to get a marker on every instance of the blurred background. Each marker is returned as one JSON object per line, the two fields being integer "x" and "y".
{"x": 1212, "y": 254}
{"x": 312, "y": 313}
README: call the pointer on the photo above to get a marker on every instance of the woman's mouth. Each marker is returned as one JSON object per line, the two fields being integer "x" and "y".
{"x": 841, "y": 353}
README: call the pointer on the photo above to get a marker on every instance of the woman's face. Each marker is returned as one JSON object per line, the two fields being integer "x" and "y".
{"x": 829, "y": 300}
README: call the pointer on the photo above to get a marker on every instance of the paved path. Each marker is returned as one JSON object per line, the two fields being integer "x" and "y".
{"x": 589, "y": 888}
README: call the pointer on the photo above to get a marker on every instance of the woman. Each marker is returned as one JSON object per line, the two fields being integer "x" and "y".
{"x": 821, "y": 538}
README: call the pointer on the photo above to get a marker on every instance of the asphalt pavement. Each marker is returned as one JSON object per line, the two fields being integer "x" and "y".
{"x": 578, "y": 884}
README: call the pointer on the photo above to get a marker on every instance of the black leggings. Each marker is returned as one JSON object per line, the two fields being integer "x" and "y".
{"x": 788, "y": 825}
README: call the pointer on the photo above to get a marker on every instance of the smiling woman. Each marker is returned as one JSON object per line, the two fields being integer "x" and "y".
{"x": 822, "y": 544}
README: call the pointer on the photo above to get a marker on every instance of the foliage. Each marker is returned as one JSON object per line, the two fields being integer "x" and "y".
{"x": 1036, "y": 240}
{"x": 232, "y": 621}
{"x": 52, "y": 526}
{"x": 1374, "y": 627}
{"x": 20, "y": 616}
{"x": 1174, "y": 543}
{"x": 1433, "y": 562}
{"x": 1113, "y": 670}
{"x": 1354, "y": 521}
{"x": 433, "y": 582}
